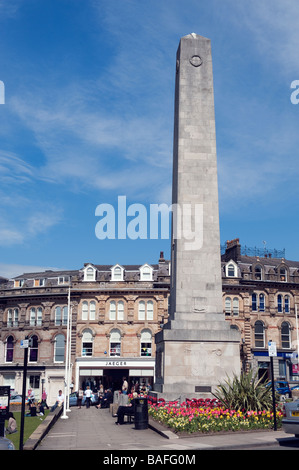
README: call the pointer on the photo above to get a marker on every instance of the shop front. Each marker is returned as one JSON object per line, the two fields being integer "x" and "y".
{"x": 110, "y": 372}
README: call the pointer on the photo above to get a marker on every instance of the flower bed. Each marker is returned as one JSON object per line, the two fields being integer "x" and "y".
{"x": 190, "y": 417}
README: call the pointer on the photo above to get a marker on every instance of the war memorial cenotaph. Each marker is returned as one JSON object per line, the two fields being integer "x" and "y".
{"x": 196, "y": 349}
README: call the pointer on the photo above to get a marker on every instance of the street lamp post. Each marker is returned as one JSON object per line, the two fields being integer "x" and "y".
{"x": 66, "y": 373}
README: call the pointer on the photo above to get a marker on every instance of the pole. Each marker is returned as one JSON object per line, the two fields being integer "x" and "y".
{"x": 64, "y": 416}
{"x": 69, "y": 362}
{"x": 273, "y": 393}
{"x": 23, "y": 397}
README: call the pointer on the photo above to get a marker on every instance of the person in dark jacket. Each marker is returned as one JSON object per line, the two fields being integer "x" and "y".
{"x": 128, "y": 409}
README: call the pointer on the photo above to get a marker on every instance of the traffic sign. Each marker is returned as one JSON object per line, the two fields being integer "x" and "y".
{"x": 272, "y": 349}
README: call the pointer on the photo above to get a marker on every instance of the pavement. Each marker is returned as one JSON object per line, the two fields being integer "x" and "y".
{"x": 95, "y": 429}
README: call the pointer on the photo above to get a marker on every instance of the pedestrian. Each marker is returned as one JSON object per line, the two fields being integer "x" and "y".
{"x": 79, "y": 398}
{"x": 128, "y": 409}
{"x": 12, "y": 424}
{"x": 87, "y": 396}
{"x": 59, "y": 400}
{"x": 44, "y": 399}
{"x": 125, "y": 386}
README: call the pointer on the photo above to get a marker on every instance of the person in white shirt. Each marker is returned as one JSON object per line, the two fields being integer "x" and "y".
{"x": 87, "y": 394}
{"x": 59, "y": 400}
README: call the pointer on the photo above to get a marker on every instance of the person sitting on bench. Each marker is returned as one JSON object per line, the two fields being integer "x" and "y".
{"x": 106, "y": 399}
{"x": 128, "y": 409}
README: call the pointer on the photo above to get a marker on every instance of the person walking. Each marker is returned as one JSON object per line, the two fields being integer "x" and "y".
{"x": 87, "y": 396}
{"x": 44, "y": 400}
{"x": 125, "y": 386}
{"x": 79, "y": 398}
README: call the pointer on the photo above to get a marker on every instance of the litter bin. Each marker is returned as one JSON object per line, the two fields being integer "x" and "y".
{"x": 141, "y": 413}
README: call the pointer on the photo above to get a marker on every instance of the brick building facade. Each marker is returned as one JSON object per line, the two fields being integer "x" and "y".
{"x": 117, "y": 310}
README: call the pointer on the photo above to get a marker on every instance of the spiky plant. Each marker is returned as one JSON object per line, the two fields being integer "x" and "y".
{"x": 246, "y": 392}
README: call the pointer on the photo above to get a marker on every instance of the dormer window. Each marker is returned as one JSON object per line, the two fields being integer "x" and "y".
{"x": 258, "y": 273}
{"x": 283, "y": 274}
{"x": 146, "y": 273}
{"x": 89, "y": 273}
{"x": 117, "y": 273}
{"x": 231, "y": 269}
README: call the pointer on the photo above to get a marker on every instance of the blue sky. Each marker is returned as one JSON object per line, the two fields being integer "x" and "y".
{"x": 88, "y": 116}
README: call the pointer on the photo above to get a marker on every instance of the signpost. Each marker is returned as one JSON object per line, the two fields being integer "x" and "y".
{"x": 24, "y": 345}
{"x": 273, "y": 353}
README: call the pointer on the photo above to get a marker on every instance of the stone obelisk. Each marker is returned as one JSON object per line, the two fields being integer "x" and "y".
{"x": 196, "y": 349}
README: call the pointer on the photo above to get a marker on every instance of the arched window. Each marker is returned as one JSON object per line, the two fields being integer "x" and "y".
{"x": 231, "y": 270}
{"x": 9, "y": 349}
{"x": 228, "y": 306}
{"x": 59, "y": 348}
{"x": 33, "y": 350}
{"x": 287, "y": 304}
{"x": 13, "y": 317}
{"x": 146, "y": 273}
{"x": 259, "y": 334}
{"x": 117, "y": 273}
{"x": 115, "y": 343}
{"x": 141, "y": 310}
{"x": 150, "y": 310}
{"x": 285, "y": 335}
{"x": 64, "y": 315}
{"x": 85, "y": 310}
{"x": 146, "y": 343}
{"x": 90, "y": 274}
{"x": 112, "y": 310}
{"x": 254, "y": 302}
{"x": 262, "y": 303}
{"x": 120, "y": 310}
{"x": 32, "y": 317}
{"x": 235, "y": 306}
{"x": 57, "y": 316}
{"x": 279, "y": 303}
{"x": 92, "y": 310}
{"x": 87, "y": 343}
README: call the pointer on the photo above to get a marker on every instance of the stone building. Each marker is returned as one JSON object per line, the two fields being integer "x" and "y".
{"x": 117, "y": 310}
{"x": 115, "y": 313}
{"x": 260, "y": 293}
